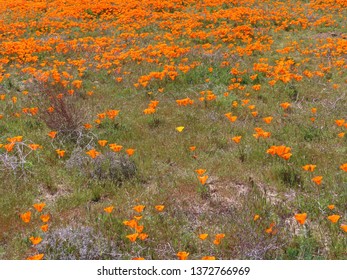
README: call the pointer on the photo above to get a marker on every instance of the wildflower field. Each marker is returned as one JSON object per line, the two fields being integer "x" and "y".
{"x": 178, "y": 129}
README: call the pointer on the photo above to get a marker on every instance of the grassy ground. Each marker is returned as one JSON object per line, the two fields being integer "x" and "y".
{"x": 77, "y": 63}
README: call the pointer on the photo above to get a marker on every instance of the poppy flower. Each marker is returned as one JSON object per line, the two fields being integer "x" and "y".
{"x": 36, "y": 257}
{"x": 26, "y": 217}
{"x": 344, "y": 167}
{"x": 138, "y": 259}
{"x": 270, "y": 230}
{"x": 179, "y": 128}
{"x": 143, "y": 236}
{"x": 39, "y": 206}
{"x": 130, "y": 223}
{"x": 314, "y": 110}
{"x": 60, "y": 153}
{"x": 102, "y": 143}
{"x": 230, "y": 117}
{"x": 139, "y": 208}
{"x": 317, "y": 180}
{"x": 331, "y": 206}
{"x": 116, "y": 148}
{"x": 339, "y": 122}
{"x": 159, "y": 208}
{"x": 93, "y": 153}
{"x": 200, "y": 171}
{"x": 52, "y": 134}
{"x": 285, "y": 105}
{"x": 203, "y": 236}
{"x": 254, "y": 114}
{"x": 256, "y": 217}
{"x": 309, "y": 167}
{"x": 44, "y": 228}
{"x": 344, "y": 227}
{"x": 301, "y": 218}
{"x": 45, "y": 218}
{"x": 203, "y": 179}
{"x": 208, "y": 258}
{"x": 268, "y": 120}
{"x": 108, "y": 209}
{"x": 192, "y": 148}
{"x": 35, "y": 240}
{"x": 130, "y": 152}
{"x": 216, "y": 241}
{"x": 87, "y": 126}
{"x": 132, "y": 237}
{"x": 182, "y": 255}
{"x": 139, "y": 229}
{"x": 334, "y": 218}
{"x": 34, "y": 147}
{"x": 341, "y": 135}
{"x": 236, "y": 139}
{"x": 220, "y": 236}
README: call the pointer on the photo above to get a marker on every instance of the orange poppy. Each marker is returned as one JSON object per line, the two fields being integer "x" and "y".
{"x": 344, "y": 167}
{"x": 309, "y": 167}
{"x": 192, "y": 148}
{"x": 182, "y": 255}
{"x": 44, "y": 228}
{"x": 130, "y": 223}
{"x": 208, "y": 258}
{"x": 317, "y": 180}
{"x": 139, "y": 208}
{"x": 35, "y": 240}
{"x": 45, "y": 218}
{"x": 116, "y": 148}
{"x": 139, "y": 229}
{"x": 344, "y": 227}
{"x": 220, "y": 236}
{"x": 341, "y": 135}
{"x": 331, "y": 206}
{"x": 102, "y": 143}
{"x": 108, "y": 209}
{"x": 159, "y": 208}
{"x": 36, "y": 257}
{"x": 39, "y": 206}
{"x": 256, "y": 217}
{"x": 138, "y": 259}
{"x": 236, "y": 139}
{"x": 301, "y": 218}
{"x": 200, "y": 171}
{"x": 130, "y": 152}
{"x": 60, "y": 153}
{"x": 216, "y": 241}
{"x": 339, "y": 122}
{"x": 203, "y": 236}
{"x": 26, "y": 217}
{"x": 203, "y": 179}
{"x": 87, "y": 126}
{"x": 143, "y": 236}
{"x": 132, "y": 237}
{"x": 285, "y": 105}
{"x": 93, "y": 153}
{"x": 34, "y": 147}
{"x": 52, "y": 134}
{"x": 268, "y": 120}
{"x": 334, "y": 218}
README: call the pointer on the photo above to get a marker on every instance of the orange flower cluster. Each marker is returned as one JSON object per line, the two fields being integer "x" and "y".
{"x": 26, "y": 218}
{"x": 281, "y": 151}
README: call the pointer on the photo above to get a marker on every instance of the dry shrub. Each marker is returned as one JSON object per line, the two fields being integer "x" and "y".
{"x": 60, "y": 111}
